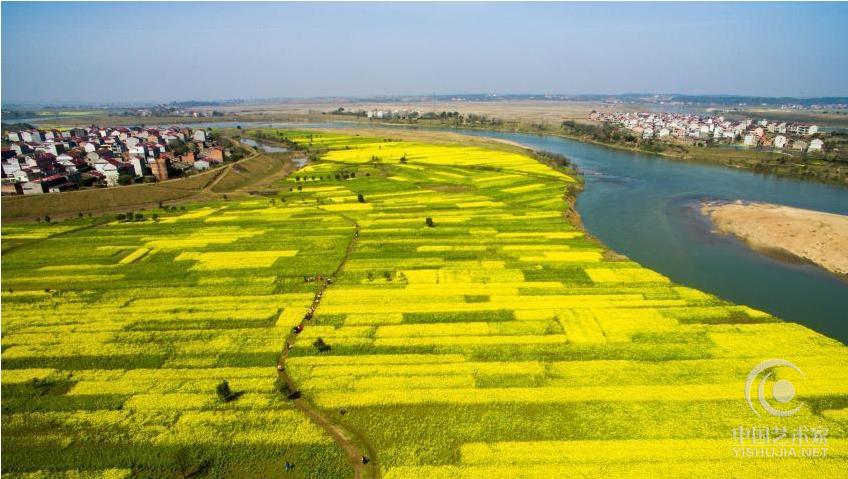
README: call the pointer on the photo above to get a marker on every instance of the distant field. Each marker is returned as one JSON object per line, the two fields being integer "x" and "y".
{"x": 472, "y": 331}
{"x": 530, "y": 110}
{"x": 62, "y": 122}
{"x": 525, "y": 111}
{"x": 831, "y": 118}
{"x": 70, "y": 113}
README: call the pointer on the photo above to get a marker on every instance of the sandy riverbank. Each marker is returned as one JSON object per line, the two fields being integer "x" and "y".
{"x": 821, "y": 238}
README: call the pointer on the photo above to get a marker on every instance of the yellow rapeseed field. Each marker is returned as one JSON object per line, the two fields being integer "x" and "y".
{"x": 470, "y": 331}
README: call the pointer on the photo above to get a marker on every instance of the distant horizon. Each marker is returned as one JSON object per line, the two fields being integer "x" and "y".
{"x": 161, "y": 52}
{"x": 578, "y": 97}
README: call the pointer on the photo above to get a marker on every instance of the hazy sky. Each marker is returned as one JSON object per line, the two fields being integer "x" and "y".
{"x": 105, "y": 52}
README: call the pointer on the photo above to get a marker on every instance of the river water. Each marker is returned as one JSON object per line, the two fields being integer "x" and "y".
{"x": 266, "y": 147}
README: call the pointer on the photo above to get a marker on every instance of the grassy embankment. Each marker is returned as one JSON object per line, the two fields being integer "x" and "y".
{"x": 492, "y": 340}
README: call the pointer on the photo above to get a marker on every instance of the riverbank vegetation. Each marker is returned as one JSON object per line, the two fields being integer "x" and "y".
{"x": 495, "y": 339}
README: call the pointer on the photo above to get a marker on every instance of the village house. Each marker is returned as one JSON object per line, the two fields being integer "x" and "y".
{"x": 111, "y": 170}
{"x": 31, "y": 136}
{"x": 43, "y": 161}
{"x": 47, "y": 184}
{"x": 159, "y": 168}
{"x": 140, "y": 167}
{"x": 214, "y": 155}
{"x": 807, "y": 130}
{"x": 188, "y": 158}
{"x": 10, "y": 187}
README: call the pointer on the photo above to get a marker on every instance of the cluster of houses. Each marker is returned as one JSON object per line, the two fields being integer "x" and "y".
{"x": 392, "y": 114}
{"x": 173, "y": 111}
{"x": 378, "y": 114}
{"x": 48, "y": 161}
{"x": 762, "y": 133}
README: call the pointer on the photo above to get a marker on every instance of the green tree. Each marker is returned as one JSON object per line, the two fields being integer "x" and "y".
{"x": 224, "y": 392}
{"x": 320, "y": 345}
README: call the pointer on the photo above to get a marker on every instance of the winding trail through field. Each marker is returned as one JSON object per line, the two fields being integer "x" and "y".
{"x": 353, "y": 443}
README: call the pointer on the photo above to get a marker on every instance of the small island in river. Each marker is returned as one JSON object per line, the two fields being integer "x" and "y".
{"x": 815, "y": 236}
